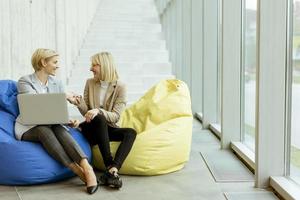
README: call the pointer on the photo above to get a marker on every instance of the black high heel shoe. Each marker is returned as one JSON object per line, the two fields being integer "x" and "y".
{"x": 92, "y": 189}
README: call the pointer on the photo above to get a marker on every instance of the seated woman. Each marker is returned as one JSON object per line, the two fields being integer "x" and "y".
{"x": 56, "y": 139}
{"x": 103, "y": 102}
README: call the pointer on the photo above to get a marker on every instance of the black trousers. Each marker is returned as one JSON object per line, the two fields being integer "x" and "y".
{"x": 98, "y": 132}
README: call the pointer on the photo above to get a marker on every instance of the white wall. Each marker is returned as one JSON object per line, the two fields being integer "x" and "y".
{"x": 29, "y": 24}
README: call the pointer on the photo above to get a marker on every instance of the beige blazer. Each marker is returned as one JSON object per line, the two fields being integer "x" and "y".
{"x": 114, "y": 102}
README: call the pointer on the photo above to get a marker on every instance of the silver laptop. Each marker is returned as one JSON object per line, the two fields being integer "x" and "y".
{"x": 50, "y": 108}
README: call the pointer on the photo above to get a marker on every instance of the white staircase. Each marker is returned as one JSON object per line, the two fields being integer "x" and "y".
{"x": 131, "y": 31}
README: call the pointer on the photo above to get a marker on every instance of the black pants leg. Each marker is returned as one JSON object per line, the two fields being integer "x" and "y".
{"x": 100, "y": 133}
{"x": 127, "y": 137}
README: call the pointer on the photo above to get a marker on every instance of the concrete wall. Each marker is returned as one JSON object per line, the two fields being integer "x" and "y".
{"x": 30, "y": 24}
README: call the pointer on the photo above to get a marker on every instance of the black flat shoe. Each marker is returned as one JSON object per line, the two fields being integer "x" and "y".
{"x": 92, "y": 189}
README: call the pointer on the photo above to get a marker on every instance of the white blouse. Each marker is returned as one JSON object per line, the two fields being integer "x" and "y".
{"x": 103, "y": 90}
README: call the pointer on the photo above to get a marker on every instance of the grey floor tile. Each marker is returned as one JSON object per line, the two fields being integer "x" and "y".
{"x": 8, "y": 193}
{"x": 204, "y": 137}
{"x": 240, "y": 187}
{"x": 225, "y": 167}
{"x": 196, "y": 123}
{"x": 251, "y": 196}
{"x": 4, "y": 188}
{"x": 9, "y": 196}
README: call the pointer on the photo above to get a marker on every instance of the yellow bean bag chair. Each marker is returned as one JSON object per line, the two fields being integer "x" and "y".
{"x": 163, "y": 120}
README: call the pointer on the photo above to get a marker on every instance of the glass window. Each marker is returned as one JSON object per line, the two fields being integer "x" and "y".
{"x": 295, "y": 107}
{"x": 219, "y": 61}
{"x": 249, "y": 73}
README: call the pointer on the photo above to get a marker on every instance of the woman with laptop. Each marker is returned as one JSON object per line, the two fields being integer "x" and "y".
{"x": 103, "y": 101}
{"x": 56, "y": 139}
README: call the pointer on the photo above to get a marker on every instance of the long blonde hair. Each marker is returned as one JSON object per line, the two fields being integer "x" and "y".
{"x": 108, "y": 70}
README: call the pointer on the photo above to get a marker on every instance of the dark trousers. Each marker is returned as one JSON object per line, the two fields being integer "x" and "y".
{"x": 98, "y": 132}
{"x": 58, "y": 143}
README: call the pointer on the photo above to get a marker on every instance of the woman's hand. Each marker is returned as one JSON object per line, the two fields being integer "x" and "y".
{"x": 74, "y": 123}
{"x": 73, "y": 98}
{"x": 89, "y": 116}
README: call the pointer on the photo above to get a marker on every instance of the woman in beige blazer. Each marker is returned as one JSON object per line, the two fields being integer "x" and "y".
{"x": 103, "y": 101}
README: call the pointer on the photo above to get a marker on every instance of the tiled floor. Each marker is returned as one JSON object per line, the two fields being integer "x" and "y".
{"x": 193, "y": 182}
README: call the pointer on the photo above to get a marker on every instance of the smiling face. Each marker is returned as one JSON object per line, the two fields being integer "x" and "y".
{"x": 50, "y": 65}
{"x": 103, "y": 67}
{"x": 95, "y": 68}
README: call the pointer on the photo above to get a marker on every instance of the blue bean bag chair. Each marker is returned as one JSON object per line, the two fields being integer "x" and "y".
{"x": 26, "y": 163}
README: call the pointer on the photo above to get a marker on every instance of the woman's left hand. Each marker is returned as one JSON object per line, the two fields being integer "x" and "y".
{"x": 74, "y": 123}
{"x": 89, "y": 116}
{"x": 73, "y": 98}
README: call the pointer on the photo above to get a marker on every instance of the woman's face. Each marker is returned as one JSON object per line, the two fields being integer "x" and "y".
{"x": 95, "y": 68}
{"x": 51, "y": 65}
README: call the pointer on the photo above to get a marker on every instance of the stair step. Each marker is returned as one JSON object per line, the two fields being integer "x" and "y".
{"x": 151, "y": 18}
{"x": 149, "y": 81}
{"x": 132, "y": 40}
{"x": 119, "y": 22}
{"x": 126, "y": 18}
{"x": 131, "y": 29}
{"x": 157, "y": 68}
{"x": 98, "y": 47}
{"x": 120, "y": 53}
{"x": 127, "y": 1}
{"x": 103, "y": 26}
{"x": 114, "y": 45}
{"x": 136, "y": 11}
{"x": 93, "y": 37}
{"x": 128, "y": 37}
{"x": 132, "y": 53}
{"x": 130, "y": 58}
{"x": 109, "y": 21}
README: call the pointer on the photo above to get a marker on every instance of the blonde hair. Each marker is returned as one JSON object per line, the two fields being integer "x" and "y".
{"x": 108, "y": 70}
{"x": 39, "y": 55}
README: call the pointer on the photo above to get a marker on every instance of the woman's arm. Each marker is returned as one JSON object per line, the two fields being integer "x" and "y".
{"x": 24, "y": 86}
{"x": 83, "y": 102}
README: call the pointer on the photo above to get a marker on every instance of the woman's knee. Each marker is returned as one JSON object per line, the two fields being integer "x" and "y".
{"x": 58, "y": 128}
{"x": 99, "y": 119}
{"x": 60, "y": 131}
{"x": 45, "y": 133}
{"x": 131, "y": 133}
